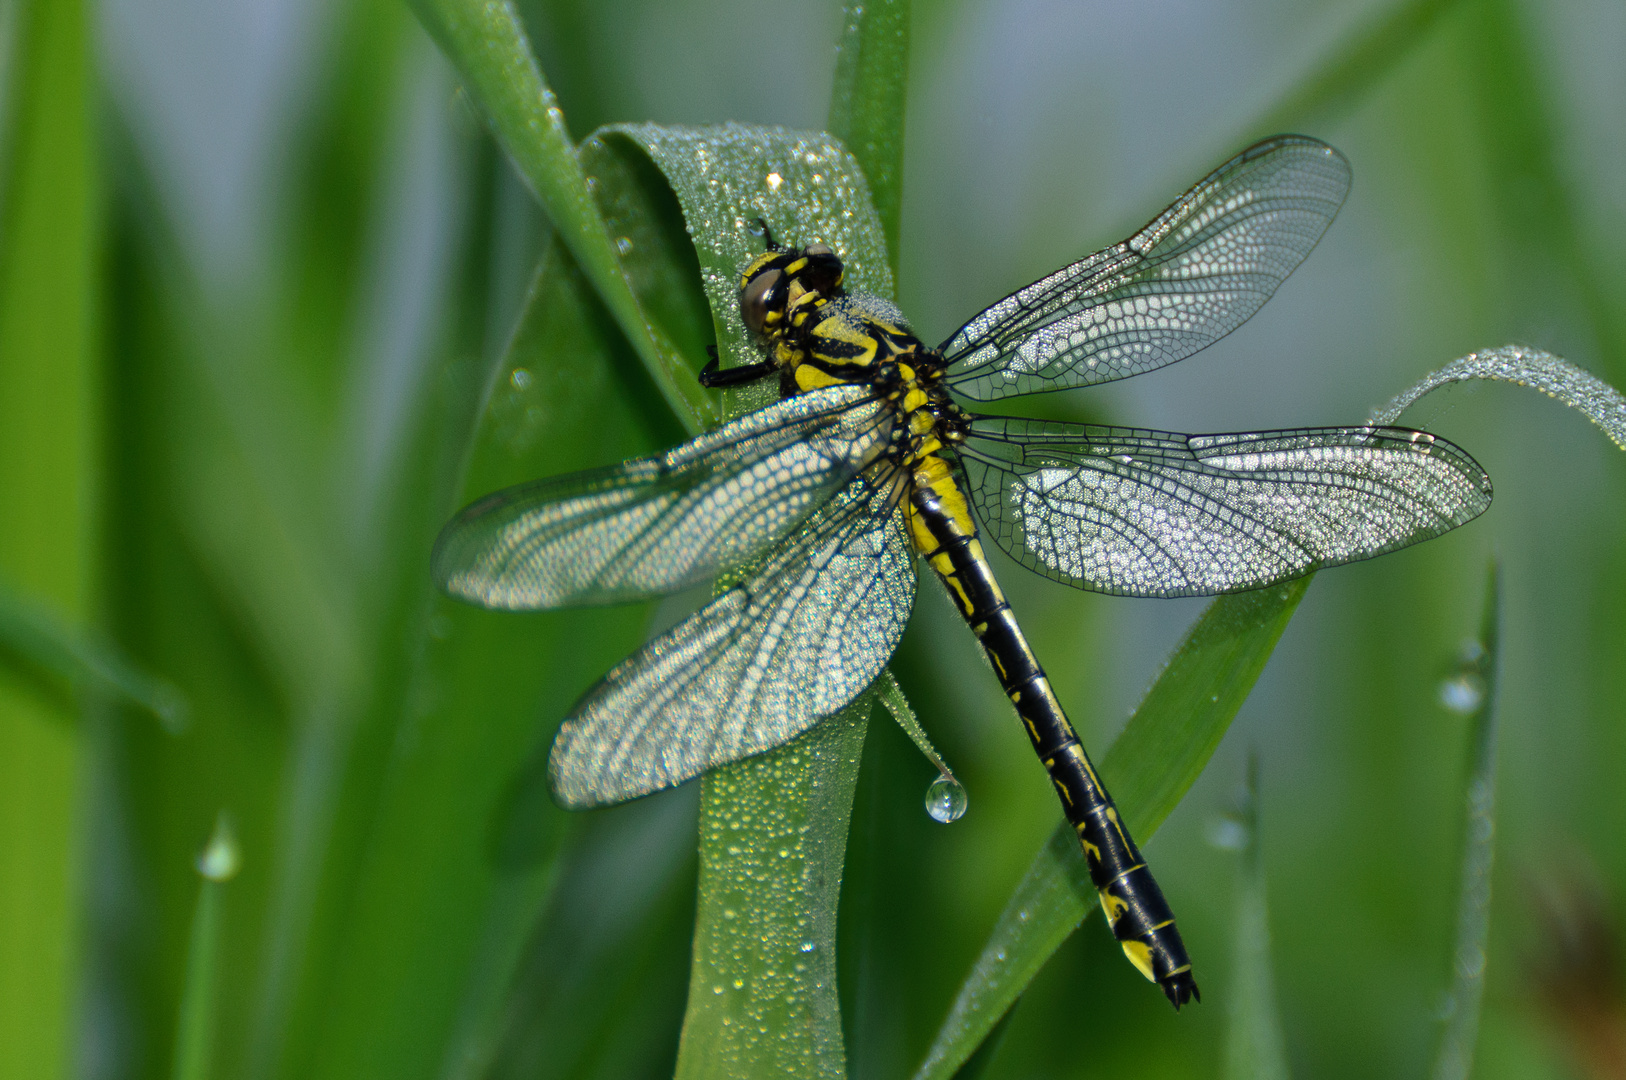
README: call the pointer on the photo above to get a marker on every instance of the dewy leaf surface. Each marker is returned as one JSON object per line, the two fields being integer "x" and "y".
{"x": 773, "y": 829}
{"x": 1556, "y": 377}
{"x": 1149, "y": 768}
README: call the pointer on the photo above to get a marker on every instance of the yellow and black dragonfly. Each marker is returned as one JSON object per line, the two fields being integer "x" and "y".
{"x": 819, "y": 505}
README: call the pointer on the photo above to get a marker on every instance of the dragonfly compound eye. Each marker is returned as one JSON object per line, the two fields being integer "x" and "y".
{"x": 756, "y": 296}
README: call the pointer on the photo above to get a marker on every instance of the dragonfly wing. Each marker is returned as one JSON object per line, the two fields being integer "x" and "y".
{"x": 1146, "y": 513}
{"x": 656, "y": 525}
{"x": 1193, "y": 275}
{"x": 792, "y": 643}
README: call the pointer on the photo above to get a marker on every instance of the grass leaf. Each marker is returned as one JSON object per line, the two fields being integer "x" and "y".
{"x": 1254, "y": 1046}
{"x": 50, "y": 228}
{"x": 1473, "y": 691}
{"x": 1554, "y": 376}
{"x": 1341, "y": 80}
{"x": 34, "y": 633}
{"x": 486, "y": 43}
{"x": 868, "y": 104}
{"x": 773, "y": 829}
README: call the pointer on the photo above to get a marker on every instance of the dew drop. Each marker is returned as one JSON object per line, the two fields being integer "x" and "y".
{"x": 1463, "y": 693}
{"x": 946, "y": 799}
{"x": 222, "y": 858}
{"x": 623, "y": 244}
{"x": 1228, "y": 834}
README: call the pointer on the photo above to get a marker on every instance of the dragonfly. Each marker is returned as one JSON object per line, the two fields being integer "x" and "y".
{"x": 811, "y": 514}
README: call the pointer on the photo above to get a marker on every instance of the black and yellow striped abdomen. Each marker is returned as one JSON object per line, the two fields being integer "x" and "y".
{"x": 946, "y": 536}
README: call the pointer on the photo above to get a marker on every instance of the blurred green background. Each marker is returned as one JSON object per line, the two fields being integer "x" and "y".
{"x": 258, "y": 260}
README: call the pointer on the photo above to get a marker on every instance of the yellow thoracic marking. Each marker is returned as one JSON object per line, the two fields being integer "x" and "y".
{"x": 1113, "y": 906}
{"x": 1066, "y": 796}
{"x": 809, "y": 377}
{"x": 1141, "y": 957}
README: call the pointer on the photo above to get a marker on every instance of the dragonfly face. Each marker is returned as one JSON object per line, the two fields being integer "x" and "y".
{"x": 869, "y": 462}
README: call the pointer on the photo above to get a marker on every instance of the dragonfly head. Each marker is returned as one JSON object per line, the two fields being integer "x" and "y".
{"x": 782, "y": 278}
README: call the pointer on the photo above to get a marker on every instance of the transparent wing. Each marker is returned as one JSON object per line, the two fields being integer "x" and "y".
{"x": 1148, "y": 513}
{"x": 1193, "y": 275}
{"x": 794, "y": 642}
{"x": 656, "y": 525}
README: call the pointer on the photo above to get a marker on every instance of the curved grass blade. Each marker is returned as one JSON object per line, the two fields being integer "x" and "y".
{"x": 487, "y": 44}
{"x": 1254, "y": 1047}
{"x": 1167, "y": 743}
{"x": 868, "y": 104}
{"x": 762, "y": 996}
{"x": 804, "y": 184}
{"x": 1473, "y": 691}
{"x": 891, "y": 696}
{"x": 1554, "y": 376}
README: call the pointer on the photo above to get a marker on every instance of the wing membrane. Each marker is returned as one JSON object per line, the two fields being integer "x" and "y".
{"x": 794, "y": 642}
{"x": 1146, "y": 513}
{"x": 1193, "y": 275}
{"x": 656, "y": 525}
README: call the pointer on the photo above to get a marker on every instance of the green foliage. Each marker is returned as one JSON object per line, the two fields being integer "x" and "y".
{"x": 221, "y": 487}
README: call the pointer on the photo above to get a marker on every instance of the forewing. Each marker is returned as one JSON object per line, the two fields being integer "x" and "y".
{"x": 795, "y": 641}
{"x": 1193, "y": 275}
{"x": 1146, "y": 513}
{"x": 655, "y": 525}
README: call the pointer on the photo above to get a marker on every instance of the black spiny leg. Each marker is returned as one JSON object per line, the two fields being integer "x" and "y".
{"x": 713, "y": 379}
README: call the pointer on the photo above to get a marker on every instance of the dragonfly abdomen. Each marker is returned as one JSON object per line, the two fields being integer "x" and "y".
{"x": 1134, "y": 905}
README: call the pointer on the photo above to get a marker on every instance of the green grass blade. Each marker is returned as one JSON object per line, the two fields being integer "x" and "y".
{"x": 868, "y": 104}
{"x": 1254, "y": 1046}
{"x": 218, "y": 863}
{"x": 762, "y": 997}
{"x": 1340, "y": 81}
{"x": 891, "y": 695}
{"x": 1473, "y": 691}
{"x": 773, "y": 839}
{"x": 487, "y": 45}
{"x": 463, "y": 842}
{"x": 1149, "y": 768}
{"x": 33, "y": 633}
{"x": 49, "y": 281}
{"x": 1535, "y": 209}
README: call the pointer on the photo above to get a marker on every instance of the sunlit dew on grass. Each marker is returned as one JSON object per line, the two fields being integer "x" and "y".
{"x": 1463, "y": 692}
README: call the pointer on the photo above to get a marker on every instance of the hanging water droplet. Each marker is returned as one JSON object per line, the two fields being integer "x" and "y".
{"x": 946, "y": 799}
{"x": 221, "y": 858}
{"x": 1462, "y": 693}
{"x": 1228, "y": 833}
